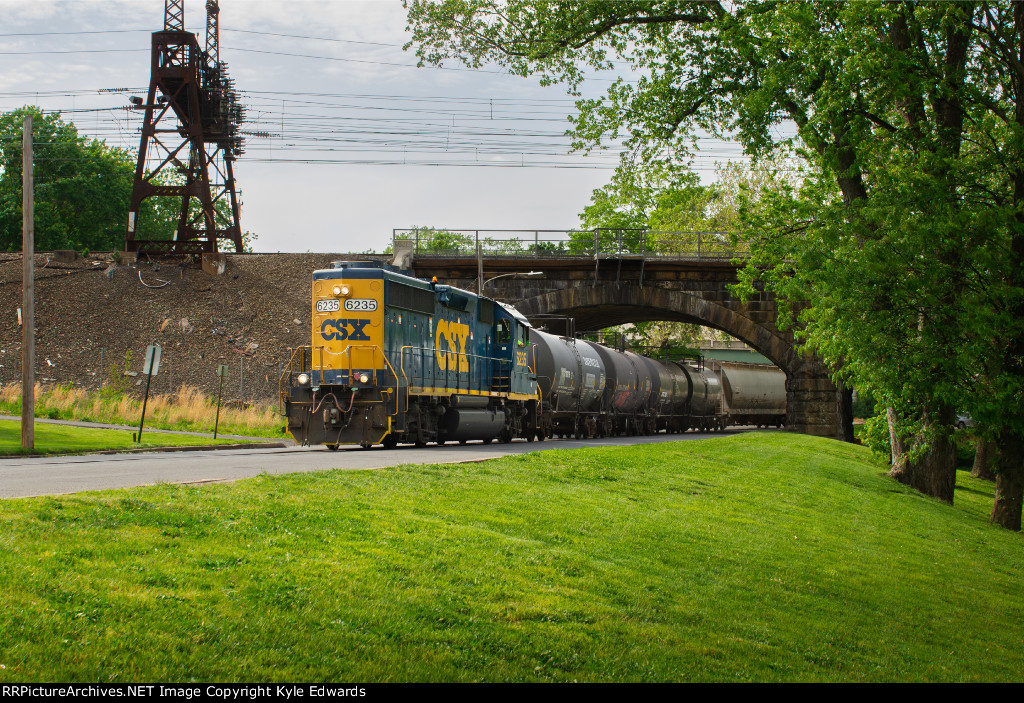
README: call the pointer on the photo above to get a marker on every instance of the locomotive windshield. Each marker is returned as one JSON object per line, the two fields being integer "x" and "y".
{"x": 504, "y": 332}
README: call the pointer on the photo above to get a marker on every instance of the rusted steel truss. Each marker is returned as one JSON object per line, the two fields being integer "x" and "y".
{"x": 190, "y": 138}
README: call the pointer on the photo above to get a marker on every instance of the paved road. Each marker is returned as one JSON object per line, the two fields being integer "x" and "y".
{"x": 33, "y": 476}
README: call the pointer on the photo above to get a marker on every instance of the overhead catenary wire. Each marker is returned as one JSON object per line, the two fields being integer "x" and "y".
{"x": 320, "y": 127}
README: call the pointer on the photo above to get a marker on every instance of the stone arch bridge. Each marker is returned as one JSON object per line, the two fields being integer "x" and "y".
{"x": 602, "y": 292}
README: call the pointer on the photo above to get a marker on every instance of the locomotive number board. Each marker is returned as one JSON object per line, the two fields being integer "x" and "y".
{"x": 361, "y": 305}
{"x": 352, "y": 305}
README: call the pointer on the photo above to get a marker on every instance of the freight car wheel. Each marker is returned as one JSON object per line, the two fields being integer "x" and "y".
{"x": 332, "y": 447}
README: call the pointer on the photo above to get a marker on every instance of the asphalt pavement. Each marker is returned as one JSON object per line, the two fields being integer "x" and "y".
{"x": 22, "y": 476}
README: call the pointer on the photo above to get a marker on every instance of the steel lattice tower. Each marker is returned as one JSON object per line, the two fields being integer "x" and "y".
{"x": 190, "y": 138}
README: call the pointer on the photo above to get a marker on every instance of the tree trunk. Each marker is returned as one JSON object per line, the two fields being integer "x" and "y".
{"x": 895, "y": 444}
{"x": 933, "y": 471}
{"x": 984, "y": 460}
{"x": 1010, "y": 469}
{"x": 845, "y": 398}
{"x": 1009, "y": 481}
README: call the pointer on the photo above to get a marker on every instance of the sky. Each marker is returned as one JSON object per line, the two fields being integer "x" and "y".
{"x": 349, "y": 140}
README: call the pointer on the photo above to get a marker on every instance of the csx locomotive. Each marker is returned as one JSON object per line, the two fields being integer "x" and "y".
{"x": 399, "y": 359}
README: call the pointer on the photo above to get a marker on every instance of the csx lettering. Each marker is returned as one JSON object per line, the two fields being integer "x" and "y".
{"x": 454, "y": 336}
{"x": 340, "y": 333}
{"x": 521, "y": 358}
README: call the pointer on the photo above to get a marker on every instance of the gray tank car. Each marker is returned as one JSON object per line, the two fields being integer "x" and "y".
{"x": 754, "y": 394}
{"x": 590, "y": 390}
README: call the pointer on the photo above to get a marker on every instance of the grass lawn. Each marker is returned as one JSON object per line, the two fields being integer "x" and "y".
{"x": 65, "y": 439}
{"x": 758, "y": 557}
{"x": 186, "y": 410}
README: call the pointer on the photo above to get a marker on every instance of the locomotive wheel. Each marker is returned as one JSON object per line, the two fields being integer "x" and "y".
{"x": 540, "y": 436}
{"x": 390, "y": 441}
{"x": 332, "y": 447}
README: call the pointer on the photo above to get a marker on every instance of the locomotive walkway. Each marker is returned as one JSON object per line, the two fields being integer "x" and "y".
{"x": 603, "y": 278}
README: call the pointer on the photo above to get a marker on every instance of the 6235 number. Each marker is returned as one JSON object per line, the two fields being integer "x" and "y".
{"x": 361, "y": 305}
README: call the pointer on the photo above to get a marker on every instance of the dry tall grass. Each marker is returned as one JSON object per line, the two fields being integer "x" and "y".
{"x": 186, "y": 409}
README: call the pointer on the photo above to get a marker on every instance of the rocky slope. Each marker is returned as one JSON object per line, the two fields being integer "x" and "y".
{"x": 95, "y": 317}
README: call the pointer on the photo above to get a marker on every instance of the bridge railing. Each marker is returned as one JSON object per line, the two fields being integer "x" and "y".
{"x": 596, "y": 243}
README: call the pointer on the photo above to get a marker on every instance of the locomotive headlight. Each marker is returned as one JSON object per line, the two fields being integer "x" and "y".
{"x": 364, "y": 378}
{"x": 303, "y": 379}
{"x": 343, "y": 291}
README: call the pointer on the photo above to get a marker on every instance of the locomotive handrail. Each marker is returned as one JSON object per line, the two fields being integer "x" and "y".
{"x": 281, "y": 393}
{"x": 428, "y": 352}
{"x": 347, "y": 351}
{"x": 401, "y": 365}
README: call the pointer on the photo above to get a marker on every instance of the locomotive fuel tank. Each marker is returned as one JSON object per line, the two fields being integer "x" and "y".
{"x": 463, "y": 424}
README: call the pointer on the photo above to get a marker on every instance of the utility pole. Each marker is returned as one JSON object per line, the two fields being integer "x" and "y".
{"x": 28, "y": 316}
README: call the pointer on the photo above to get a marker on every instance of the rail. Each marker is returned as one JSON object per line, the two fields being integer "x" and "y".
{"x": 597, "y": 243}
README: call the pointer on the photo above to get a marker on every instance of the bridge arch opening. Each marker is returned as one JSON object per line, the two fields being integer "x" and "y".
{"x": 598, "y": 308}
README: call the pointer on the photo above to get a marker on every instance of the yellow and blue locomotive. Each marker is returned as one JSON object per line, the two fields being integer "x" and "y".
{"x": 398, "y": 359}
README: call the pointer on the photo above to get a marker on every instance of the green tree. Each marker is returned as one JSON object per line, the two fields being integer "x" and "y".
{"x": 81, "y": 186}
{"x": 901, "y": 253}
{"x": 441, "y": 240}
{"x": 81, "y": 190}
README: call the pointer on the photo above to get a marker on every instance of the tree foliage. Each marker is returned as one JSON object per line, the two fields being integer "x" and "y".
{"x": 674, "y": 212}
{"x": 81, "y": 187}
{"x": 901, "y": 252}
